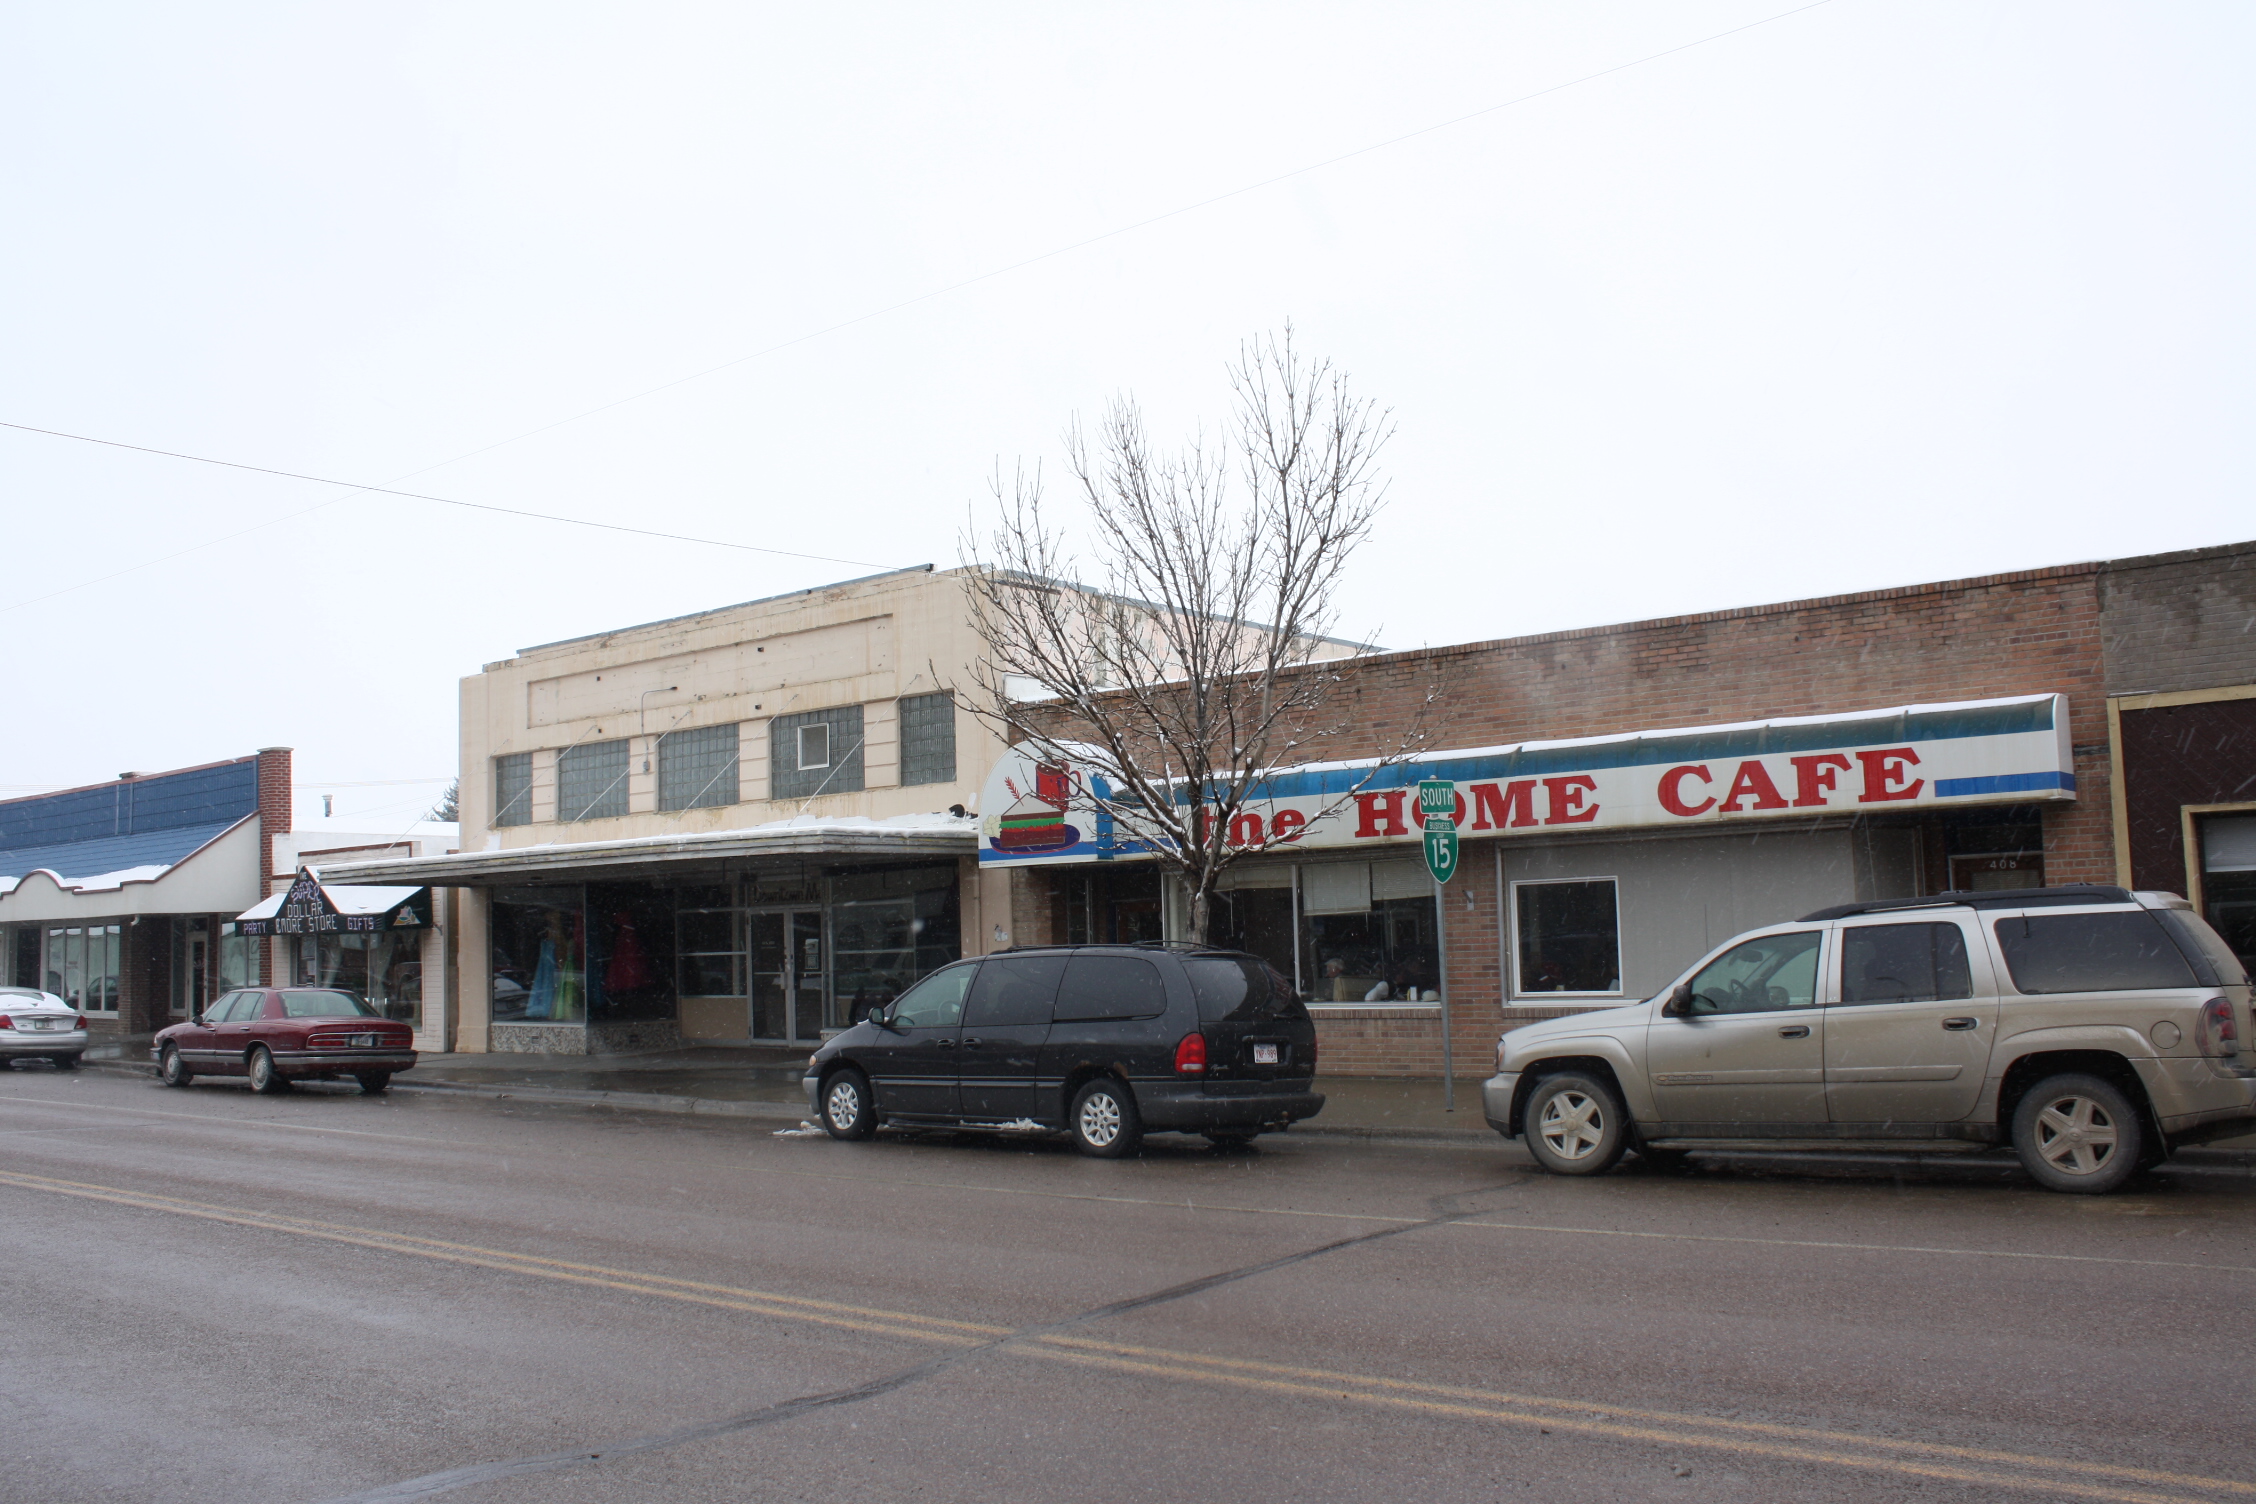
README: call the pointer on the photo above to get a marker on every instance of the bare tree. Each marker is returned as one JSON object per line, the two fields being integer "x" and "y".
{"x": 1195, "y": 666}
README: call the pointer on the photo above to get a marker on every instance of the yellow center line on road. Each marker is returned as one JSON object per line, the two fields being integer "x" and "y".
{"x": 1775, "y": 1441}
{"x": 1329, "y": 1380}
{"x": 2054, "y": 1482}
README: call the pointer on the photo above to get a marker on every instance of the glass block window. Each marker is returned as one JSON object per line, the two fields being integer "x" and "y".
{"x": 513, "y": 789}
{"x": 591, "y": 781}
{"x": 815, "y": 752}
{"x": 928, "y": 738}
{"x": 697, "y": 769}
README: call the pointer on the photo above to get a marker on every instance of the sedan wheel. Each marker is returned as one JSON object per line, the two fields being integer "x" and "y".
{"x": 1574, "y": 1125}
{"x": 66, "y": 1062}
{"x": 373, "y": 1083}
{"x": 1104, "y": 1119}
{"x": 2078, "y": 1134}
{"x": 173, "y": 1069}
{"x": 264, "y": 1077}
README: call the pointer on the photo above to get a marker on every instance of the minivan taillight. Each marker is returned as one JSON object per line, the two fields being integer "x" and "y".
{"x": 2220, "y": 1032}
{"x": 1190, "y": 1055}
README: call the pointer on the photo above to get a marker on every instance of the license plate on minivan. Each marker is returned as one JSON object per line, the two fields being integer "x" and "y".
{"x": 1264, "y": 1054}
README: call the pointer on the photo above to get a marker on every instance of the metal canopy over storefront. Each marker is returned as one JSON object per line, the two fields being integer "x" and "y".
{"x": 927, "y": 836}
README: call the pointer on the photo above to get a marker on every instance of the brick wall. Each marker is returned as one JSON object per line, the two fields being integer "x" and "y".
{"x": 2180, "y": 621}
{"x": 277, "y": 789}
{"x": 2173, "y": 756}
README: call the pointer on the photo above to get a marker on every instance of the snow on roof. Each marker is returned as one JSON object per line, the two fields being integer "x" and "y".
{"x": 344, "y": 898}
{"x": 100, "y": 882}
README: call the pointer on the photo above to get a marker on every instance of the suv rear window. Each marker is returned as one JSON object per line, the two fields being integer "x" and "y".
{"x": 2116, "y": 952}
{"x": 2213, "y": 960}
{"x": 1110, "y": 987}
{"x": 1238, "y": 988}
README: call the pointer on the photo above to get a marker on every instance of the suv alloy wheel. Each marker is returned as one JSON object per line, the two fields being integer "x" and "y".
{"x": 2078, "y": 1133}
{"x": 1574, "y": 1125}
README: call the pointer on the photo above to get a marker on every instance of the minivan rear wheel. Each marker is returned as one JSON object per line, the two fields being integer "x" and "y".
{"x": 1104, "y": 1120}
{"x": 2080, "y": 1134}
{"x": 1574, "y": 1125}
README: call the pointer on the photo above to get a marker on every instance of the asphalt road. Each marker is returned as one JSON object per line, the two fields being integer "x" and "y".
{"x": 216, "y": 1296}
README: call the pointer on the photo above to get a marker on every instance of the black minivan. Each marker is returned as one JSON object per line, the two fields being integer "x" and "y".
{"x": 1106, "y": 1042}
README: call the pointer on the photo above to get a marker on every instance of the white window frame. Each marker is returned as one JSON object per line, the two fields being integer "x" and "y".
{"x": 1512, "y": 935}
{"x": 804, "y": 765}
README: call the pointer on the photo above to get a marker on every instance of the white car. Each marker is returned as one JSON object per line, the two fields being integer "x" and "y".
{"x": 37, "y": 1025}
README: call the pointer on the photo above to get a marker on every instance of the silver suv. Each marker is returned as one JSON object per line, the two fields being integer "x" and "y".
{"x": 2094, "y": 1029}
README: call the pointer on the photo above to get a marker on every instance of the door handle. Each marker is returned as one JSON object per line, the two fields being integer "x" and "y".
{"x": 969, "y": 1043}
{"x": 1794, "y": 1031}
{"x": 1956, "y": 1024}
{"x": 943, "y": 1044}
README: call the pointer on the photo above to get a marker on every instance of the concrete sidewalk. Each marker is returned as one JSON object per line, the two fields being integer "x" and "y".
{"x": 764, "y": 1083}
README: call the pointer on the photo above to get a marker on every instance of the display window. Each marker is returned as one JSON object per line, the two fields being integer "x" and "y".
{"x": 1566, "y": 937}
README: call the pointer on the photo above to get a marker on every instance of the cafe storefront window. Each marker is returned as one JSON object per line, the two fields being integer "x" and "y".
{"x": 1350, "y": 932}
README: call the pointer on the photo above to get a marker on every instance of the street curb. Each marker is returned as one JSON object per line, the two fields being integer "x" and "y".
{"x": 637, "y": 1101}
{"x": 641, "y": 1101}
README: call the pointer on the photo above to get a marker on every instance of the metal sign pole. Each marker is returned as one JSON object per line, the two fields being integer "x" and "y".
{"x": 1441, "y": 944}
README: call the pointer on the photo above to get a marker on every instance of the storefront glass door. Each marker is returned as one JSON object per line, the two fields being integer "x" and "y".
{"x": 788, "y": 975}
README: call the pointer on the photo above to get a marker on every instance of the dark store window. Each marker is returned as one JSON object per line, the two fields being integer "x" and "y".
{"x": 1566, "y": 937}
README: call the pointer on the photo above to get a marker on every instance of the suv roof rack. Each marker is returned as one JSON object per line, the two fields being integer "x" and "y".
{"x": 1996, "y": 898}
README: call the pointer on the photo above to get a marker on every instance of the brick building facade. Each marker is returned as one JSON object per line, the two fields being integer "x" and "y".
{"x": 2177, "y": 628}
{"x": 2179, "y": 642}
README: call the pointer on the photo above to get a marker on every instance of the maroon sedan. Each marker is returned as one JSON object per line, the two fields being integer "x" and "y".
{"x": 276, "y": 1035}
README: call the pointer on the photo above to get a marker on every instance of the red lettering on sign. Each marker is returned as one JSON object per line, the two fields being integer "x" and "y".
{"x": 1494, "y": 807}
{"x": 1813, "y": 777}
{"x": 1287, "y": 825}
{"x": 1379, "y": 815}
{"x": 1884, "y": 774}
{"x": 1566, "y": 800}
{"x": 1752, "y": 781}
{"x": 1672, "y": 790}
{"x": 1245, "y": 830}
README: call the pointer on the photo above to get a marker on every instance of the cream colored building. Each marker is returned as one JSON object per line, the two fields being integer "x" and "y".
{"x": 728, "y": 827}
{"x": 744, "y": 826}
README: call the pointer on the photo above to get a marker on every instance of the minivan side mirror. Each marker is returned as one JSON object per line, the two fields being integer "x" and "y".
{"x": 1679, "y": 1004}
{"x": 881, "y": 1015}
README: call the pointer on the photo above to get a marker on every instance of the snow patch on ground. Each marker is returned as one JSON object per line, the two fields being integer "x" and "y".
{"x": 804, "y": 1130}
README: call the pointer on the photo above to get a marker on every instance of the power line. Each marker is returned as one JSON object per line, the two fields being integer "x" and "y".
{"x": 355, "y": 488}
{"x": 876, "y": 313}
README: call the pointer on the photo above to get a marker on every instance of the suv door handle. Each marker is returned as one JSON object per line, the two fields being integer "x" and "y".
{"x": 969, "y": 1043}
{"x": 1955, "y": 1024}
{"x": 943, "y": 1044}
{"x": 1794, "y": 1031}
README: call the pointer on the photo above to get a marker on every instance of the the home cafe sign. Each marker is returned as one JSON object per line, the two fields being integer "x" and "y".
{"x": 2015, "y": 751}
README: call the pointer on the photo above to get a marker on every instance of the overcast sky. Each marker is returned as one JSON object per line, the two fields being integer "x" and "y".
{"x": 1868, "y": 294}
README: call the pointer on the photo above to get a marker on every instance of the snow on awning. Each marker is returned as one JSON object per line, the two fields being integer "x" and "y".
{"x": 309, "y": 908}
